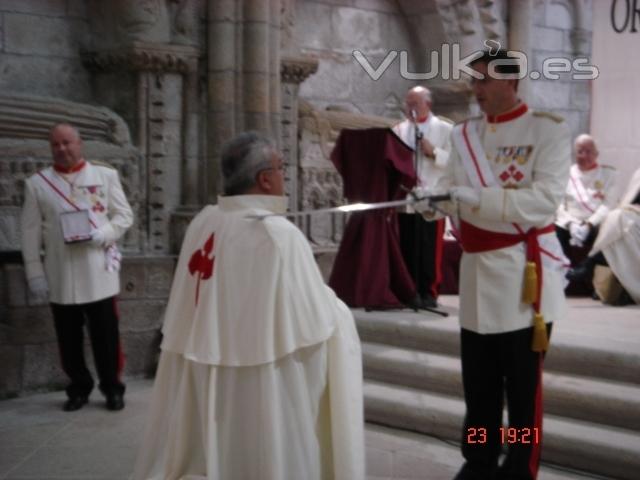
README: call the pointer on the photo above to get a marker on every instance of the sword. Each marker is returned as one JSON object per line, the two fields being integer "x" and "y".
{"x": 358, "y": 207}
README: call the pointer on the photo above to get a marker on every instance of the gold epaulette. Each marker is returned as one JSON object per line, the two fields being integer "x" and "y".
{"x": 611, "y": 167}
{"x": 100, "y": 163}
{"x": 549, "y": 115}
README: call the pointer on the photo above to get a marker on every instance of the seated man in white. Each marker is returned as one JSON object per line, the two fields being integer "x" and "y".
{"x": 589, "y": 196}
{"x": 260, "y": 375}
{"x": 618, "y": 243}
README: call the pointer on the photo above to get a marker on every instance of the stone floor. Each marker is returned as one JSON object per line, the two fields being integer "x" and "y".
{"x": 38, "y": 441}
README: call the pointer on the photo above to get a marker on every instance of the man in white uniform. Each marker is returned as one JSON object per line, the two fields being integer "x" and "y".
{"x": 507, "y": 174}
{"x": 433, "y": 156}
{"x": 77, "y": 210}
{"x": 589, "y": 196}
{"x": 618, "y": 243}
{"x": 260, "y": 375}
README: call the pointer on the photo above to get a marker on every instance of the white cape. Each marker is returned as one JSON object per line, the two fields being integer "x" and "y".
{"x": 262, "y": 379}
{"x": 619, "y": 240}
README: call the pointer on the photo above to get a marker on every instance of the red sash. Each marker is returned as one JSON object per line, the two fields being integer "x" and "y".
{"x": 476, "y": 240}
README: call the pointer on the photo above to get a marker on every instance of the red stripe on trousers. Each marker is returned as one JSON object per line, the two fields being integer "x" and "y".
{"x": 121, "y": 357}
{"x": 534, "y": 460}
{"x": 438, "y": 253}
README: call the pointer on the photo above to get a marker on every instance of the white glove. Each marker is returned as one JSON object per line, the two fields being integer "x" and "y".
{"x": 423, "y": 206}
{"x": 579, "y": 233}
{"x": 39, "y": 289}
{"x": 98, "y": 238}
{"x": 466, "y": 195}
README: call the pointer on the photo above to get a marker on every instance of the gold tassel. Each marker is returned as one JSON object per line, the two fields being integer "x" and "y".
{"x": 540, "y": 342}
{"x": 530, "y": 286}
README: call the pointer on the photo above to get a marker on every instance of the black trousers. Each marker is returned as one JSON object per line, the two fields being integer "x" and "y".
{"x": 493, "y": 365}
{"x": 576, "y": 255}
{"x": 421, "y": 244}
{"x": 101, "y": 318}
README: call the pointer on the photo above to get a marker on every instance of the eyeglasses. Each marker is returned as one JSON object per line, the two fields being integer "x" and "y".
{"x": 281, "y": 168}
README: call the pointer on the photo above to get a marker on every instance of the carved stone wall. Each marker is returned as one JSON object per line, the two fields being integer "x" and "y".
{"x": 145, "y": 64}
{"x": 319, "y": 183}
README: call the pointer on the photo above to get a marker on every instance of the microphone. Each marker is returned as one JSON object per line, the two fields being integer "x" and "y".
{"x": 414, "y": 116}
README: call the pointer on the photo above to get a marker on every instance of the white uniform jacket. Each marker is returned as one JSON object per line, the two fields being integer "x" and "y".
{"x": 619, "y": 240}
{"x": 438, "y": 132}
{"x": 589, "y": 196}
{"x": 76, "y": 272}
{"x": 529, "y": 156}
{"x": 260, "y": 375}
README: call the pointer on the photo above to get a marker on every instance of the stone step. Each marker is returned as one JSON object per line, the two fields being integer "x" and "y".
{"x": 400, "y": 454}
{"x": 430, "y": 333}
{"x": 588, "y": 447}
{"x": 589, "y": 399}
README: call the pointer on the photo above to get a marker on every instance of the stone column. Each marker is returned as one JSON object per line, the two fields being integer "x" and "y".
{"x": 243, "y": 76}
{"x": 293, "y": 72}
{"x": 161, "y": 115}
{"x": 520, "y": 28}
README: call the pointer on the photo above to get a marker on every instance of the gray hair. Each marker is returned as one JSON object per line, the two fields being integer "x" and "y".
{"x": 243, "y": 158}
{"x": 585, "y": 137}
{"x": 424, "y": 92}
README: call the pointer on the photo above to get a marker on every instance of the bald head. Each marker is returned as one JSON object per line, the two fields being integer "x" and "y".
{"x": 417, "y": 103}
{"x": 586, "y": 152}
{"x": 66, "y": 145}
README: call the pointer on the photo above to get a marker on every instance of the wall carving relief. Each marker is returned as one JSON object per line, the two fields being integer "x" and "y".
{"x": 320, "y": 184}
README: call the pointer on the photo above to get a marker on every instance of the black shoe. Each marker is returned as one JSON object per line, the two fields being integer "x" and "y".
{"x": 579, "y": 273}
{"x": 415, "y": 303}
{"x": 75, "y": 403}
{"x": 429, "y": 302}
{"x": 115, "y": 402}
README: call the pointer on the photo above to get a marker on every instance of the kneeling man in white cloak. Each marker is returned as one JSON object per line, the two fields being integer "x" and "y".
{"x": 260, "y": 375}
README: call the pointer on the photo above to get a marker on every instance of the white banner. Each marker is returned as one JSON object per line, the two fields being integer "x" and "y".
{"x": 615, "y": 112}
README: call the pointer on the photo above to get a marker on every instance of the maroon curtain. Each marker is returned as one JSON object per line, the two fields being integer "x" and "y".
{"x": 369, "y": 270}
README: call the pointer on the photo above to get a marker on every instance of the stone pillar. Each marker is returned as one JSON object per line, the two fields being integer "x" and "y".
{"x": 294, "y": 71}
{"x": 145, "y": 55}
{"x": 162, "y": 118}
{"x": 244, "y": 74}
{"x": 520, "y": 28}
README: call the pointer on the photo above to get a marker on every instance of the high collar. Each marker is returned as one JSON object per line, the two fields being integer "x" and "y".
{"x": 585, "y": 170}
{"x": 516, "y": 112}
{"x": 271, "y": 203}
{"x": 425, "y": 119}
{"x": 76, "y": 168}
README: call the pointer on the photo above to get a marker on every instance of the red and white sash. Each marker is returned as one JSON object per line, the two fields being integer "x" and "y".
{"x": 577, "y": 189}
{"x": 112, "y": 255}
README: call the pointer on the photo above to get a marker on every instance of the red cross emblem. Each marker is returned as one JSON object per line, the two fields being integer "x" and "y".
{"x": 98, "y": 207}
{"x": 202, "y": 264}
{"x": 511, "y": 172}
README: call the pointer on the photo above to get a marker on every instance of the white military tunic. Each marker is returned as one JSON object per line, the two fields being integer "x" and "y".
{"x": 529, "y": 157}
{"x": 589, "y": 196}
{"x": 438, "y": 132}
{"x": 260, "y": 375}
{"x": 76, "y": 273}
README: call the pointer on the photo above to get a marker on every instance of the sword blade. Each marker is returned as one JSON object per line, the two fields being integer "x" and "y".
{"x": 356, "y": 207}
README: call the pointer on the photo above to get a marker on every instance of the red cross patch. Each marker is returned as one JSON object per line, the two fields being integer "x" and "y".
{"x": 201, "y": 263}
{"x": 511, "y": 172}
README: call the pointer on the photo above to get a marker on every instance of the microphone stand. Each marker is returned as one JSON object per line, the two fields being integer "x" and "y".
{"x": 417, "y": 219}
